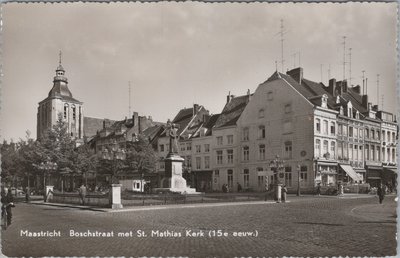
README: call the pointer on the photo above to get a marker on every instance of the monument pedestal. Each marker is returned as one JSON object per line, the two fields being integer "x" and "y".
{"x": 173, "y": 174}
{"x": 116, "y": 196}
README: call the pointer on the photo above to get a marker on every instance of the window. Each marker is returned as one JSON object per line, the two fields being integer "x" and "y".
{"x": 65, "y": 111}
{"x": 261, "y": 132}
{"x": 246, "y": 178}
{"x": 245, "y": 134}
{"x": 378, "y": 154}
{"x": 340, "y": 150}
{"x": 161, "y": 147}
{"x": 288, "y": 176}
{"x": 333, "y": 149}
{"x": 394, "y": 137}
{"x": 73, "y": 112}
{"x": 318, "y": 148}
{"x": 318, "y": 125}
{"x": 287, "y": 127}
{"x": 394, "y": 155}
{"x": 219, "y": 140}
{"x": 355, "y": 132}
{"x": 246, "y": 153}
{"x": 261, "y": 113}
{"x": 355, "y": 152}
{"x": 350, "y": 131}
{"x": 270, "y": 95}
{"x": 303, "y": 174}
{"x": 261, "y": 151}
{"x": 216, "y": 173}
{"x": 260, "y": 181}
{"x": 198, "y": 148}
{"x": 325, "y": 127}
{"x": 230, "y": 139}
{"x": 188, "y": 146}
{"x": 288, "y": 149}
{"x": 333, "y": 128}
{"x": 350, "y": 151}
{"x": 366, "y": 133}
{"x": 366, "y": 152}
{"x": 344, "y": 130}
{"x": 340, "y": 129}
{"x": 230, "y": 178}
{"x": 183, "y": 147}
{"x": 383, "y": 153}
{"x": 206, "y": 147}
{"x": 230, "y": 156}
{"x": 372, "y": 134}
{"x": 219, "y": 157}
{"x": 325, "y": 147}
{"x": 288, "y": 108}
{"x": 198, "y": 162}
{"x": 372, "y": 152}
{"x": 361, "y": 133}
{"x": 378, "y": 135}
{"x": 388, "y": 136}
{"x": 207, "y": 162}
{"x": 383, "y": 136}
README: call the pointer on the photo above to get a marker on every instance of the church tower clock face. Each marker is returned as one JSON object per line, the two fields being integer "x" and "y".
{"x": 60, "y": 103}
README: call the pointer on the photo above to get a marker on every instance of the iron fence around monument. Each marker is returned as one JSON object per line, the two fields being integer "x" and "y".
{"x": 135, "y": 199}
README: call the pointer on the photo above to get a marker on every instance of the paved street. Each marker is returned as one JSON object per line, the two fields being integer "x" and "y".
{"x": 311, "y": 226}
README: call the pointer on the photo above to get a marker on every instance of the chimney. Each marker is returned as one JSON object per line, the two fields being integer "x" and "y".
{"x": 140, "y": 124}
{"x": 375, "y": 107}
{"x": 331, "y": 87}
{"x": 357, "y": 89}
{"x": 369, "y": 106}
{"x": 296, "y": 74}
{"x": 195, "y": 109}
{"x": 135, "y": 118}
{"x": 365, "y": 101}
{"x": 344, "y": 86}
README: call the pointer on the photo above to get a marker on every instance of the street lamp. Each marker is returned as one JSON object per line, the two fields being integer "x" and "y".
{"x": 298, "y": 180}
{"x": 46, "y": 167}
{"x": 277, "y": 166}
{"x": 114, "y": 155}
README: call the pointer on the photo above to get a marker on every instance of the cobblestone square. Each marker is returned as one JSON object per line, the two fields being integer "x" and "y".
{"x": 306, "y": 226}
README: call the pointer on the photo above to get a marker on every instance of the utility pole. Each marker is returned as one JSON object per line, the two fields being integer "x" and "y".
{"x": 129, "y": 114}
{"x": 377, "y": 89}
{"x": 350, "y": 67}
{"x": 344, "y": 58}
{"x": 363, "y": 77}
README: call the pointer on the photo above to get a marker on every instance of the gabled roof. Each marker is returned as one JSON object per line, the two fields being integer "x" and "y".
{"x": 207, "y": 126}
{"x": 232, "y": 111}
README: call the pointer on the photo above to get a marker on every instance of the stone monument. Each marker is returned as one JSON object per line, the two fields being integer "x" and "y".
{"x": 173, "y": 164}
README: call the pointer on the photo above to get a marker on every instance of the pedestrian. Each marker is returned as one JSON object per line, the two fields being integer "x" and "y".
{"x": 9, "y": 204}
{"x": 318, "y": 189}
{"x": 82, "y": 193}
{"x": 224, "y": 188}
{"x": 381, "y": 192}
{"x": 27, "y": 198}
{"x": 3, "y": 201}
{"x": 284, "y": 193}
{"x": 239, "y": 187}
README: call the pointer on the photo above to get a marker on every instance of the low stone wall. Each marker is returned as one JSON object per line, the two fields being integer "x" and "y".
{"x": 100, "y": 200}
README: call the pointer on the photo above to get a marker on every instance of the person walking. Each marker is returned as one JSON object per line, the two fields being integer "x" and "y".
{"x": 284, "y": 193}
{"x": 82, "y": 193}
{"x": 381, "y": 192}
{"x": 239, "y": 187}
{"x": 9, "y": 204}
{"x": 318, "y": 189}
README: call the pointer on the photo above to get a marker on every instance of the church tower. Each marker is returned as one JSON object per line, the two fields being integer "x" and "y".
{"x": 60, "y": 100}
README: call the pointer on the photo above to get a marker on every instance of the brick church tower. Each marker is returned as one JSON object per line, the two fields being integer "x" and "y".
{"x": 60, "y": 100}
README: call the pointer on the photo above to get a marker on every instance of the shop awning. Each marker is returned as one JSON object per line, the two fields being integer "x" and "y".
{"x": 390, "y": 170}
{"x": 350, "y": 171}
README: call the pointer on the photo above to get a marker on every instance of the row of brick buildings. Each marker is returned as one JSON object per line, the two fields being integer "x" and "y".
{"x": 324, "y": 133}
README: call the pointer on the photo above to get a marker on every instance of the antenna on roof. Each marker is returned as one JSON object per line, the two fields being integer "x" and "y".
{"x": 363, "y": 77}
{"x": 344, "y": 57}
{"x": 281, "y": 33}
{"x": 377, "y": 88}
{"x": 299, "y": 59}
{"x": 329, "y": 72}
{"x": 366, "y": 86}
{"x": 350, "y": 67}
{"x": 322, "y": 78}
{"x": 294, "y": 60}
{"x": 276, "y": 66}
{"x": 59, "y": 55}
{"x": 382, "y": 102}
{"x": 129, "y": 87}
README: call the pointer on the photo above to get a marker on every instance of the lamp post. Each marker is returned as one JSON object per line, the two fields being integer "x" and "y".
{"x": 276, "y": 166}
{"x": 114, "y": 155}
{"x": 298, "y": 180}
{"x": 46, "y": 167}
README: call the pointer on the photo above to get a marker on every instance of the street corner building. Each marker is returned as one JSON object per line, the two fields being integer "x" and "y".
{"x": 325, "y": 134}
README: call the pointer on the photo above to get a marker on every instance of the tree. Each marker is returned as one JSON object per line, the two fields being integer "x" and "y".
{"x": 140, "y": 156}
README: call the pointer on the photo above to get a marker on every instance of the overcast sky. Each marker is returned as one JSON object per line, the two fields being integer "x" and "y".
{"x": 177, "y": 54}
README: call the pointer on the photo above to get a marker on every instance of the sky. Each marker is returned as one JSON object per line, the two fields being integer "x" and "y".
{"x": 178, "y": 54}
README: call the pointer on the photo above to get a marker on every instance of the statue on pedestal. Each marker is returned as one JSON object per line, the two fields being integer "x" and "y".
{"x": 172, "y": 132}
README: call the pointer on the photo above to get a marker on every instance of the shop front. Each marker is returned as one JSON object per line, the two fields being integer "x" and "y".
{"x": 374, "y": 175}
{"x": 326, "y": 173}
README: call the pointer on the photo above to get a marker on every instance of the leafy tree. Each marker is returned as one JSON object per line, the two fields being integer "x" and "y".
{"x": 140, "y": 156}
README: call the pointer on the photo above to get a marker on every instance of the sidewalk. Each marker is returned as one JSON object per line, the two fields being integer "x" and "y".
{"x": 291, "y": 198}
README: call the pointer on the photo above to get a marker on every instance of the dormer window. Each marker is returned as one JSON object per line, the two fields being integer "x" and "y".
{"x": 324, "y": 101}
{"x": 261, "y": 113}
